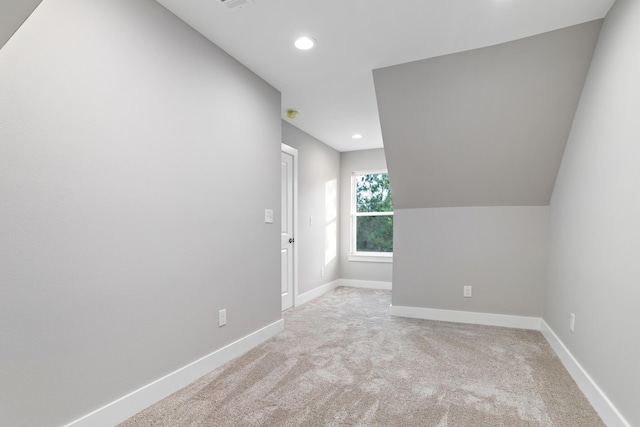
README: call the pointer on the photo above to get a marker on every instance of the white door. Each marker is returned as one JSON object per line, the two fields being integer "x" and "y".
{"x": 287, "y": 234}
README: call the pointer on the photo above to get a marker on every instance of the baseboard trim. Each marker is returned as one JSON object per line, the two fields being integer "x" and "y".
{"x": 134, "y": 402}
{"x": 367, "y": 284}
{"x": 321, "y": 290}
{"x": 315, "y": 293}
{"x": 508, "y": 321}
{"x": 601, "y": 403}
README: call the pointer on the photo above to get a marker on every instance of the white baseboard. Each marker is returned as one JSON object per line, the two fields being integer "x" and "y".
{"x": 520, "y": 322}
{"x": 368, "y": 284}
{"x": 134, "y": 402}
{"x": 315, "y": 293}
{"x": 601, "y": 403}
{"x": 321, "y": 290}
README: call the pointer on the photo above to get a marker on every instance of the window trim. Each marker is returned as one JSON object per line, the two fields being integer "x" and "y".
{"x": 354, "y": 254}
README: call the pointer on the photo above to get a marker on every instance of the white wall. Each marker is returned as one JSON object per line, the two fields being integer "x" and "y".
{"x": 595, "y": 219}
{"x": 355, "y": 161}
{"x": 499, "y": 251}
{"x": 136, "y": 161}
{"x": 318, "y": 186}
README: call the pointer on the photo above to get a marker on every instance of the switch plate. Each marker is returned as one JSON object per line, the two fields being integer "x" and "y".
{"x": 572, "y": 322}
{"x": 322, "y": 272}
{"x": 467, "y": 292}
{"x": 268, "y": 216}
{"x": 222, "y": 317}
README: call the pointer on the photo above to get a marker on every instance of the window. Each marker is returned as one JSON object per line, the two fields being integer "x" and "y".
{"x": 371, "y": 217}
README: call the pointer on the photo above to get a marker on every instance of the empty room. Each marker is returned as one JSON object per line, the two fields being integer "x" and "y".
{"x": 450, "y": 236}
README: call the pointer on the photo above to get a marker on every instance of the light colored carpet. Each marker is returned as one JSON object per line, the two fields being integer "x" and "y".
{"x": 343, "y": 361}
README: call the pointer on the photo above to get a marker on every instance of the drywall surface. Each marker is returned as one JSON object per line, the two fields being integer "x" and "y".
{"x": 358, "y": 161}
{"x": 486, "y": 127}
{"x": 12, "y": 14}
{"x": 595, "y": 219}
{"x": 318, "y": 185}
{"x": 136, "y": 161}
{"x": 499, "y": 251}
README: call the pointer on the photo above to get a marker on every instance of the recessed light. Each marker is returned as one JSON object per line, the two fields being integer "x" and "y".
{"x": 356, "y": 136}
{"x": 305, "y": 43}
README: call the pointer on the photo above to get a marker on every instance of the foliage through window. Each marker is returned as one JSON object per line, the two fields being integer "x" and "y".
{"x": 372, "y": 213}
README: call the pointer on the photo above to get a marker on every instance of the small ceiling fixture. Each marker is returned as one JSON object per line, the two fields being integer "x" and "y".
{"x": 237, "y": 4}
{"x": 305, "y": 43}
{"x": 356, "y": 136}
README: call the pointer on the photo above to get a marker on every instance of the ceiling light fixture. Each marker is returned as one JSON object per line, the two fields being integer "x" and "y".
{"x": 356, "y": 136}
{"x": 305, "y": 43}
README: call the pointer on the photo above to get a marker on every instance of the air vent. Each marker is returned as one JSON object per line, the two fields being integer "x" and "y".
{"x": 237, "y": 4}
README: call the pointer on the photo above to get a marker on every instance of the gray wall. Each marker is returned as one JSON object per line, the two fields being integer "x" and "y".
{"x": 500, "y": 251}
{"x": 12, "y": 15}
{"x": 136, "y": 161}
{"x": 595, "y": 219}
{"x": 486, "y": 127}
{"x": 354, "y": 161}
{"x": 318, "y": 186}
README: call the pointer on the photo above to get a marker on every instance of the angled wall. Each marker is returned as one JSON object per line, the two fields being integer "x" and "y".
{"x": 485, "y": 127}
{"x": 474, "y": 141}
{"x": 136, "y": 161}
{"x": 12, "y": 14}
{"x": 595, "y": 219}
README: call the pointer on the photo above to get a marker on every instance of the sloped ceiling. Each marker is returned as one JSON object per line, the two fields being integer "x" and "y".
{"x": 331, "y": 85}
{"x": 12, "y": 14}
{"x": 485, "y": 127}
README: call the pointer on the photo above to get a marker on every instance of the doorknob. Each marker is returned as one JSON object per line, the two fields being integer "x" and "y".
{"x": 291, "y": 240}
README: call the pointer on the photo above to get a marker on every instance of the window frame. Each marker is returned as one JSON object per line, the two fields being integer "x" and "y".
{"x": 354, "y": 254}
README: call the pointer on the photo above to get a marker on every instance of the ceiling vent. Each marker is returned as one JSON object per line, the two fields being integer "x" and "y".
{"x": 236, "y": 4}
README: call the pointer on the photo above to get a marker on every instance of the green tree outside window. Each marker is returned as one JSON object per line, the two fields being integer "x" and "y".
{"x": 373, "y": 213}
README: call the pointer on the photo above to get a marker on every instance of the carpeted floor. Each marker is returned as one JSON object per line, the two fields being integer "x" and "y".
{"x": 343, "y": 361}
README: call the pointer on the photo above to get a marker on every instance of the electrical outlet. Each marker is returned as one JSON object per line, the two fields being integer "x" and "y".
{"x": 572, "y": 322}
{"x": 322, "y": 272}
{"x": 467, "y": 292}
{"x": 311, "y": 221}
{"x": 222, "y": 317}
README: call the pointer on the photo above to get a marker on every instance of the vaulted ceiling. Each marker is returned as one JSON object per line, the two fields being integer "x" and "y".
{"x": 474, "y": 99}
{"x": 332, "y": 85}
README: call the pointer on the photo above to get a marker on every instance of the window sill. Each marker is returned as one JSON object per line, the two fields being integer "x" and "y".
{"x": 372, "y": 257}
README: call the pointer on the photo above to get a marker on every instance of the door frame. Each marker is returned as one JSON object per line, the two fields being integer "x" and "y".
{"x": 284, "y": 148}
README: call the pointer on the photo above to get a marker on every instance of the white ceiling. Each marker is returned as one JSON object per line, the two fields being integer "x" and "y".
{"x": 332, "y": 85}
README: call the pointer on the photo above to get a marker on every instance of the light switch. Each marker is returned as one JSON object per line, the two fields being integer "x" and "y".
{"x": 268, "y": 216}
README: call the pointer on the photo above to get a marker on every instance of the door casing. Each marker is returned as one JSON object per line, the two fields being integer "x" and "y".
{"x": 290, "y": 267}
